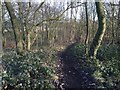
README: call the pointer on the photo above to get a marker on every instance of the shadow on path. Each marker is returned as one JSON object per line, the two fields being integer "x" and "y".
{"x": 75, "y": 73}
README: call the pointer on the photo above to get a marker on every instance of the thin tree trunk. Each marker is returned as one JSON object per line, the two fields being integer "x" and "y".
{"x": 118, "y": 27}
{"x": 21, "y": 24}
{"x": 28, "y": 33}
{"x": 112, "y": 25}
{"x": 47, "y": 33}
{"x": 28, "y": 41}
{"x": 3, "y": 36}
{"x": 0, "y": 30}
{"x": 101, "y": 29}
{"x": 87, "y": 33}
{"x": 3, "y": 27}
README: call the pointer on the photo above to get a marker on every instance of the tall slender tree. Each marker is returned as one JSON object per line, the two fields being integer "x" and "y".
{"x": 118, "y": 27}
{"x": 0, "y": 27}
{"x": 101, "y": 29}
{"x": 3, "y": 27}
{"x": 87, "y": 37}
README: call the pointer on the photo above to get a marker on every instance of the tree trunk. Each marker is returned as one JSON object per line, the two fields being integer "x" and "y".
{"x": 101, "y": 29}
{"x": 3, "y": 36}
{"x": 3, "y": 27}
{"x": 16, "y": 28}
{"x": 118, "y": 27}
{"x": 48, "y": 36}
{"x": 21, "y": 24}
{"x": 87, "y": 37}
{"x": 112, "y": 25}
{"x": 28, "y": 41}
{"x": 0, "y": 30}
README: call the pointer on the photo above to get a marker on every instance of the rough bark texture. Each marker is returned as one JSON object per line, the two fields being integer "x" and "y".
{"x": 16, "y": 28}
{"x": 101, "y": 29}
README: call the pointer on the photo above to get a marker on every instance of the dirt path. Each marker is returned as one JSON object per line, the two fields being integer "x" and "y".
{"x": 73, "y": 74}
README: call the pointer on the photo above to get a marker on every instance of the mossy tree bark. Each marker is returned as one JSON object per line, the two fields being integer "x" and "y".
{"x": 16, "y": 28}
{"x": 101, "y": 29}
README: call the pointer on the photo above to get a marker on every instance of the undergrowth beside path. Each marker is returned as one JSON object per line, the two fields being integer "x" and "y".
{"x": 60, "y": 68}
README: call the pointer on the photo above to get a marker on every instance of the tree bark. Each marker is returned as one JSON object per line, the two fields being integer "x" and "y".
{"x": 101, "y": 29}
{"x": 28, "y": 41}
{"x": 16, "y": 28}
{"x": 112, "y": 26}
{"x": 3, "y": 27}
{"x": 87, "y": 33}
{"x": 118, "y": 27}
{"x": 28, "y": 35}
{"x": 0, "y": 30}
{"x": 21, "y": 23}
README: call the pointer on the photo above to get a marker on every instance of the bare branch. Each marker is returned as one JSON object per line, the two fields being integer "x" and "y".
{"x": 58, "y": 17}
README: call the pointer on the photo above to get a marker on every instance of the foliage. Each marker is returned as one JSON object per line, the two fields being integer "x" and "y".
{"x": 76, "y": 50}
{"x": 30, "y": 71}
{"x": 106, "y": 66}
{"x": 109, "y": 52}
{"x": 109, "y": 68}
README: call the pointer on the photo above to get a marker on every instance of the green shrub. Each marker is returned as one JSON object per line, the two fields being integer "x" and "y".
{"x": 109, "y": 68}
{"x": 75, "y": 50}
{"x": 109, "y": 52}
{"x": 30, "y": 71}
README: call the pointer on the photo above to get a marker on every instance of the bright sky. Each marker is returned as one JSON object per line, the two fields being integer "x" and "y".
{"x": 74, "y": 0}
{"x": 52, "y": 1}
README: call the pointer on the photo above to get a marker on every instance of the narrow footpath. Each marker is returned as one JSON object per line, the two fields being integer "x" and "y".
{"x": 74, "y": 73}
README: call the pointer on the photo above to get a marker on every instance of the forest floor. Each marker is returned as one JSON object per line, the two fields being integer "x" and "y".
{"x": 74, "y": 73}
{"x": 64, "y": 67}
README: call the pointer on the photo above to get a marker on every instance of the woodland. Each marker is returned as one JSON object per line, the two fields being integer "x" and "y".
{"x": 60, "y": 44}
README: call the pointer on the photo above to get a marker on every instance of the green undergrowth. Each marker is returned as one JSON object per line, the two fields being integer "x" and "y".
{"x": 109, "y": 52}
{"x": 108, "y": 68}
{"x": 33, "y": 71}
{"x": 36, "y": 69}
{"x": 107, "y": 64}
{"x": 75, "y": 50}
